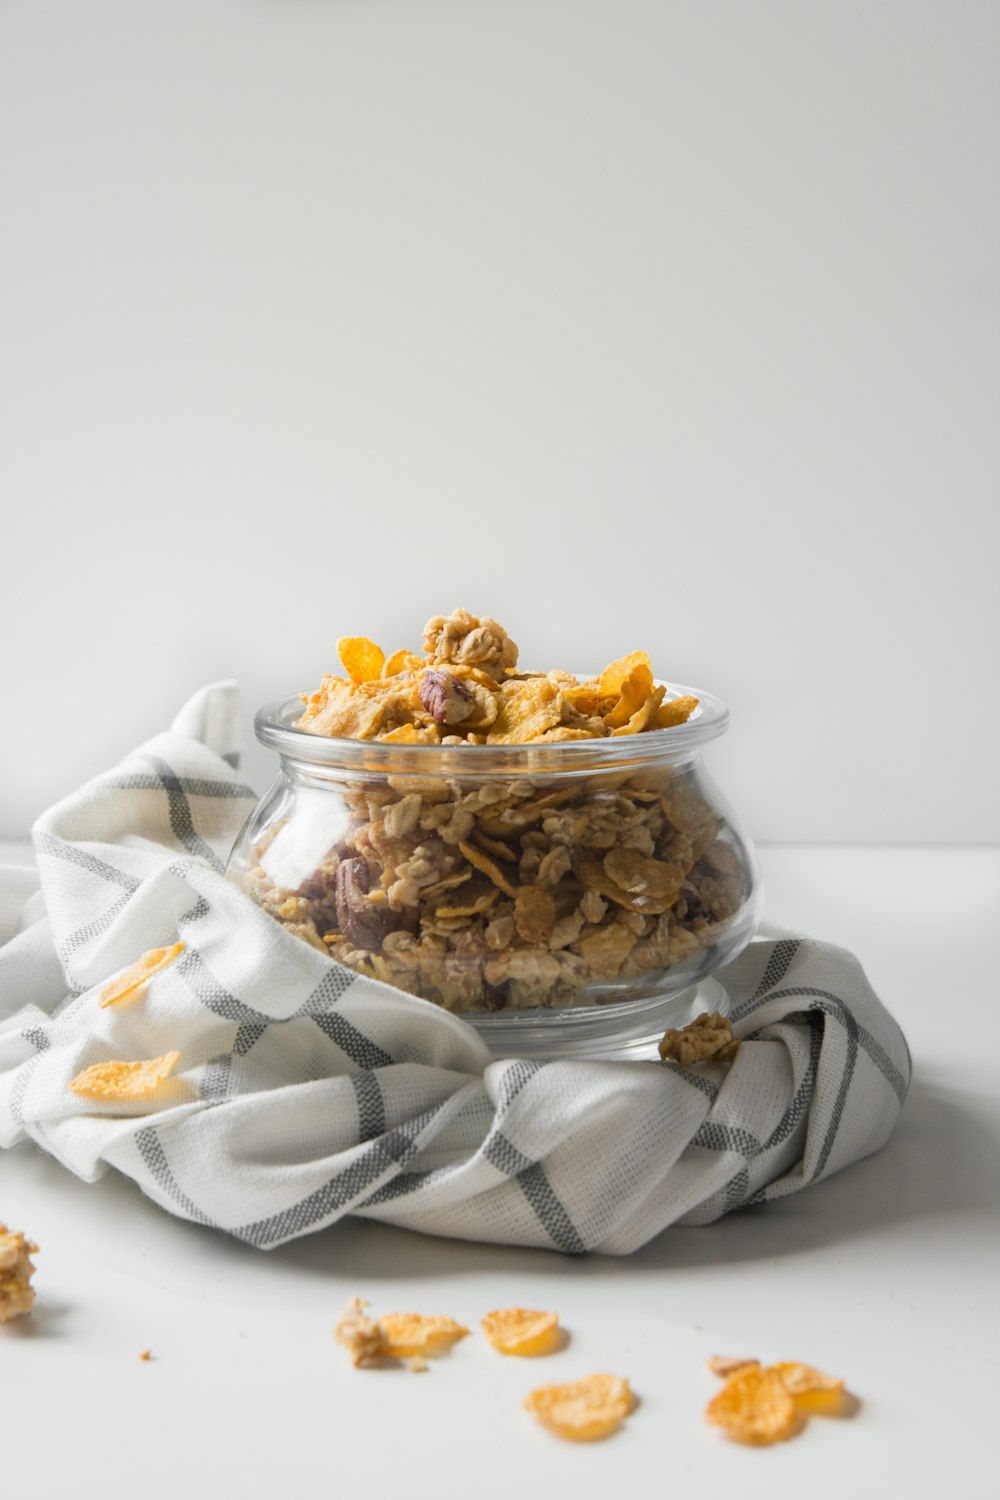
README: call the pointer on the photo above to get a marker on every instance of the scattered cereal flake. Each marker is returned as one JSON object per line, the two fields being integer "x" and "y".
{"x": 16, "y": 1270}
{"x": 725, "y": 1365}
{"x": 115, "y": 1080}
{"x": 677, "y": 711}
{"x": 707, "y": 1039}
{"x": 487, "y": 866}
{"x": 362, "y": 659}
{"x": 519, "y": 1330}
{"x": 133, "y": 980}
{"x": 583, "y": 1410}
{"x": 402, "y": 661}
{"x": 811, "y": 1389}
{"x": 146, "y": 1355}
{"x": 754, "y": 1407}
{"x": 408, "y": 1335}
{"x": 417, "y": 1365}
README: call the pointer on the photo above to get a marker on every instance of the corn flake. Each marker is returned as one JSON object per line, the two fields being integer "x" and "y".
{"x": 724, "y": 1365}
{"x": 676, "y": 711}
{"x": 811, "y": 1389}
{"x": 754, "y": 1407}
{"x": 363, "y": 660}
{"x": 518, "y": 1330}
{"x": 114, "y": 1081}
{"x": 488, "y": 867}
{"x": 408, "y": 1335}
{"x": 612, "y": 678}
{"x": 583, "y": 1411}
{"x": 134, "y": 979}
{"x": 526, "y": 710}
{"x": 401, "y": 661}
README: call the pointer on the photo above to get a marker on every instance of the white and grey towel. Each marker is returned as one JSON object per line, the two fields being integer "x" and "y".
{"x": 305, "y": 1092}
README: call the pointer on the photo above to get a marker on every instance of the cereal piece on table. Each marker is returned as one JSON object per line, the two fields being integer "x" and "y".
{"x": 521, "y": 1331}
{"x": 360, "y": 1335}
{"x": 754, "y": 1407}
{"x": 116, "y": 1081}
{"x": 17, "y": 1295}
{"x": 409, "y": 1335}
{"x": 133, "y": 980}
{"x": 724, "y": 1365}
{"x": 583, "y": 1411}
{"x": 363, "y": 660}
{"x": 812, "y": 1390}
{"x": 707, "y": 1039}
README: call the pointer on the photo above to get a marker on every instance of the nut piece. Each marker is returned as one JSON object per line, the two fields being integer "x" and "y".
{"x": 364, "y": 923}
{"x": 446, "y": 698}
{"x": 709, "y": 1038}
{"x": 583, "y": 1410}
{"x": 462, "y": 638}
{"x": 16, "y": 1271}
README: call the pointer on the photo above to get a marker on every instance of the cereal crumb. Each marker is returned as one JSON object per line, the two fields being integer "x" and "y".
{"x": 17, "y": 1296}
{"x": 707, "y": 1039}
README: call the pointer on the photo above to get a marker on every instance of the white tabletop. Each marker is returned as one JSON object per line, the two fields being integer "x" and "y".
{"x": 887, "y": 1274}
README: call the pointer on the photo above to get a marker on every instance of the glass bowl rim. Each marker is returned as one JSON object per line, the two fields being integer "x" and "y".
{"x": 274, "y": 728}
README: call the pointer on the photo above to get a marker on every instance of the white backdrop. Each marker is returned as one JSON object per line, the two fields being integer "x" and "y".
{"x": 666, "y": 324}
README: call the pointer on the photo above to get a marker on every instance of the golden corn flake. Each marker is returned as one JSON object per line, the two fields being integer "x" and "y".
{"x": 401, "y": 661}
{"x": 360, "y": 1335}
{"x": 518, "y": 1330}
{"x": 725, "y": 1365}
{"x": 635, "y": 690}
{"x": 526, "y": 710}
{"x": 754, "y": 1407}
{"x": 408, "y": 1335}
{"x": 487, "y": 866}
{"x": 17, "y": 1296}
{"x": 362, "y": 659}
{"x": 610, "y": 682}
{"x": 677, "y": 711}
{"x": 115, "y": 1081}
{"x": 134, "y": 979}
{"x": 409, "y": 734}
{"x": 583, "y": 1411}
{"x": 811, "y": 1389}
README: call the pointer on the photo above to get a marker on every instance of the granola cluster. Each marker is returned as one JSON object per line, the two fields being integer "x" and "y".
{"x": 489, "y": 892}
{"x": 17, "y": 1295}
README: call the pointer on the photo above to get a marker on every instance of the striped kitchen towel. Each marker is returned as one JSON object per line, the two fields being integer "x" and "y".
{"x": 305, "y": 1092}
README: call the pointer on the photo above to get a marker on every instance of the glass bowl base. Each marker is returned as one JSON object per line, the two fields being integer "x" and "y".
{"x": 614, "y": 1033}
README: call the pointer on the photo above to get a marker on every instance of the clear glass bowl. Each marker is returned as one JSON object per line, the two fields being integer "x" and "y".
{"x": 556, "y": 895}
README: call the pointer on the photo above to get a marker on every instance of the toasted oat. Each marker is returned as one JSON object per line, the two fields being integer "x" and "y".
{"x": 17, "y": 1296}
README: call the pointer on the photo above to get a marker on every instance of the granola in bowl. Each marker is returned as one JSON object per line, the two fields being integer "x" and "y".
{"x": 493, "y": 839}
